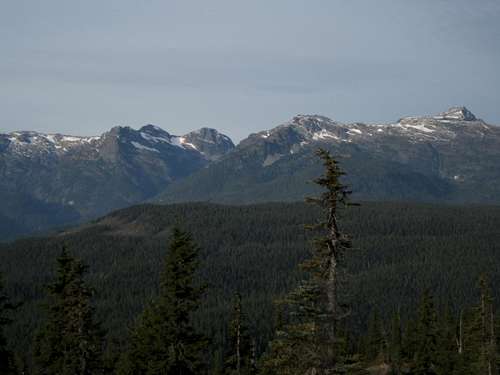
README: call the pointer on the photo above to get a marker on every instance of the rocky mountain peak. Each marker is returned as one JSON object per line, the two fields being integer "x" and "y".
{"x": 154, "y": 131}
{"x": 311, "y": 123}
{"x": 301, "y": 119}
{"x": 457, "y": 113}
{"x": 212, "y": 144}
{"x": 208, "y": 135}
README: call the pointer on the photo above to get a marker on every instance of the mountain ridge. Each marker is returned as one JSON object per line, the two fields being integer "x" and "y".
{"x": 51, "y": 180}
{"x": 55, "y": 179}
{"x": 445, "y": 157}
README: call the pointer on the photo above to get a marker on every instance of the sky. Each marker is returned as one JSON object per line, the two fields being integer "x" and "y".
{"x": 82, "y": 67}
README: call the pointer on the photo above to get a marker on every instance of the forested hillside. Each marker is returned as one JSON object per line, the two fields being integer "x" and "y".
{"x": 399, "y": 250}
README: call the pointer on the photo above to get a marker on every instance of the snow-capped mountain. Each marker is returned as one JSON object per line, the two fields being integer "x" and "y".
{"x": 53, "y": 179}
{"x": 449, "y": 157}
{"x": 149, "y": 137}
{"x": 212, "y": 144}
{"x": 304, "y": 130}
{"x": 48, "y": 180}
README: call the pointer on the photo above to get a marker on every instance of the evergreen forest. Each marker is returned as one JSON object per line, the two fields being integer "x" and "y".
{"x": 328, "y": 286}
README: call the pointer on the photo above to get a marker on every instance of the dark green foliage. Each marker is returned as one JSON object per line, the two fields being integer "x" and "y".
{"x": 309, "y": 341}
{"x": 395, "y": 347}
{"x": 375, "y": 342}
{"x": 447, "y": 348}
{"x": 426, "y": 337}
{"x": 437, "y": 341}
{"x": 480, "y": 351}
{"x": 410, "y": 344}
{"x": 164, "y": 340}
{"x": 399, "y": 250}
{"x": 69, "y": 341}
{"x": 7, "y": 361}
{"x": 240, "y": 359}
{"x": 300, "y": 345}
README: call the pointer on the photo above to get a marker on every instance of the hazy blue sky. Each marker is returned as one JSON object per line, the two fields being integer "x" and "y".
{"x": 80, "y": 67}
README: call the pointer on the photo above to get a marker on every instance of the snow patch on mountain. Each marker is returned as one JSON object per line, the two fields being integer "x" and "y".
{"x": 142, "y": 147}
{"x": 181, "y": 142}
{"x": 457, "y": 113}
{"x": 28, "y": 142}
{"x": 155, "y": 139}
{"x": 355, "y": 131}
{"x": 420, "y": 127}
{"x": 303, "y": 130}
{"x": 324, "y": 134}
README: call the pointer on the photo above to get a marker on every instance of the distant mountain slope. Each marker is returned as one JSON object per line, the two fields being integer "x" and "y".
{"x": 450, "y": 157}
{"x": 49, "y": 180}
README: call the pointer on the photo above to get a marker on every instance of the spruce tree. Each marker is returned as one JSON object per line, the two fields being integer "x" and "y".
{"x": 239, "y": 360}
{"x": 480, "y": 338}
{"x": 375, "y": 342}
{"x": 426, "y": 337}
{"x": 488, "y": 322}
{"x": 7, "y": 361}
{"x": 70, "y": 341}
{"x": 395, "y": 344}
{"x": 164, "y": 340}
{"x": 308, "y": 341}
{"x": 447, "y": 350}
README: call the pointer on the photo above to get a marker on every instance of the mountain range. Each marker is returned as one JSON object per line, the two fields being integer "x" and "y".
{"x": 450, "y": 157}
{"x": 50, "y": 180}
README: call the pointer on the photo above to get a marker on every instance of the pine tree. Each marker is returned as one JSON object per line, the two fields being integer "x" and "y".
{"x": 395, "y": 344}
{"x": 70, "y": 341}
{"x": 375, "y": 342}
{"x": 239, "y": 360}
{"x": 488, "y": 320}
{"x": 480, "y": 338}
{"x": 308, "y": 342}
{"x": 426, "y": 337}
{"x": 7, "y": 361}
{"x": 164, "y": 340}
{"x": 217, "y": 364}
{"x": 447, "y": 351}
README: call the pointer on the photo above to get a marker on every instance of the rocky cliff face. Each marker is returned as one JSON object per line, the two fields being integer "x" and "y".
{"x": 212, "y": 144}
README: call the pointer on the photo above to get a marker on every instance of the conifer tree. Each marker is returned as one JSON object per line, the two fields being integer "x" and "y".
{"x": 70, "y": 341}
{"x": 409, "y": 340}
{"x": 395, "y": 344}
{"x": 164, "y": 340}
{"x": 217, "y": 364}
{"x": 308, "y": 342}
{"x": 239, "y": 361}
{"x": 375, "y": 342}
{"x": 426, "y": 337}
{"x": 7, "y": 361}
{"x": 488, "y": 322}
{"x": 447, "y": 349}
{"x": 480, "y": 341}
